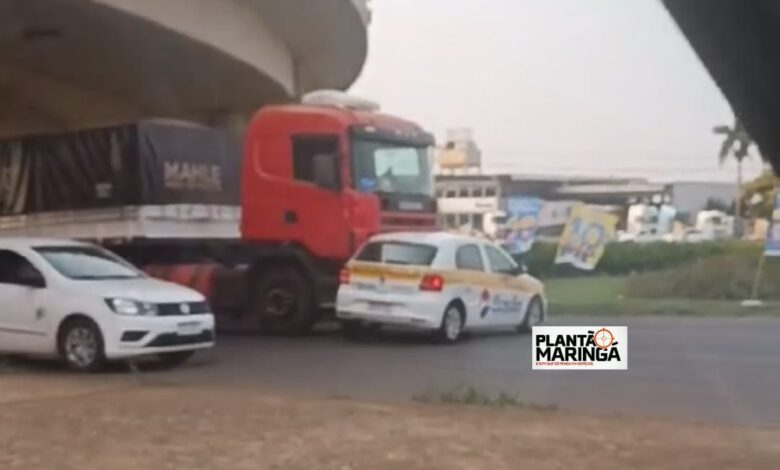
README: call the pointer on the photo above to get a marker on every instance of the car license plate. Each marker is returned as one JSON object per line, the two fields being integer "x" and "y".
{"x": 380, "y": 307}
{"x": 189, "y": 328}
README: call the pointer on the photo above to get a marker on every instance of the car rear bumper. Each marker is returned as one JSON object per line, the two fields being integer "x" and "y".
{"x": 420, "y": 322}
{"x": 422, "y": 312}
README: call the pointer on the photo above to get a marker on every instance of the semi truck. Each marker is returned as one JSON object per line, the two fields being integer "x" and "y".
{"x": 260, "y": 225}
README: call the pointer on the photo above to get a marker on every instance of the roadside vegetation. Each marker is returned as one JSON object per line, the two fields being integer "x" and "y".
{"x": 641, "y": 279}
{"x": 622, "y": 258}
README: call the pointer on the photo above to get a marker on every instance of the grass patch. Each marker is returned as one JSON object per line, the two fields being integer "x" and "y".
{"x": 726, "y": 277}
{"x": 471, "y": 396}
{"x": 604, "y": 295}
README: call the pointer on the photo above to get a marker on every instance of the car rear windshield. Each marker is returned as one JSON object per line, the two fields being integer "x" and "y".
{"x": 398, "y": 253}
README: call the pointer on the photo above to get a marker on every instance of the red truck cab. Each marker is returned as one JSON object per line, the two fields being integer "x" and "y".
{"x": 326, "y": 177}
{"x": 316, "y": 181}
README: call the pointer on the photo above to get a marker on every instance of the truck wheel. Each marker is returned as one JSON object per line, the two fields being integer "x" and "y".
{"x": 80, "y": 345}
{"x": 284, "y": 302}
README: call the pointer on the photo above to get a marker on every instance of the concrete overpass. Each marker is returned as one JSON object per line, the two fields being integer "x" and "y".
{"x": 67, "y": 64}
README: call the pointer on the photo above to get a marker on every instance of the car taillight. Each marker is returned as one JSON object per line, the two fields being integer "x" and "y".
{"x": 344, "y": 276}
{"x": 432, "y": 282}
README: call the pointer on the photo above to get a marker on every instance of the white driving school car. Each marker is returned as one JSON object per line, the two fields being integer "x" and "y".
{"x": 439, "y": 282}
{"x": 85, "y": 305}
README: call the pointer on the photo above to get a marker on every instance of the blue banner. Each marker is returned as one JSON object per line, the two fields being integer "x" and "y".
{"x": 773, "y": 237}
{"x": 522, "y": 223}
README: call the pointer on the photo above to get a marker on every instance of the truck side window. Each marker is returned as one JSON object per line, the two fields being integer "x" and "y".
{"x": 14, "y": 268}
{"x": 304, "y": 151}
{"x": 469, "y": 257}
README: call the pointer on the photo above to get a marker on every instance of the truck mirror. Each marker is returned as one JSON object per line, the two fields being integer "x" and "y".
{"x": 326, "y": 171}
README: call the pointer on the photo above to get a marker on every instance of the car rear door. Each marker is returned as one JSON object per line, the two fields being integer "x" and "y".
{"x": 508, "y": 304}
{"x": 22, "y": 326}
{"x": 476, "y": 283}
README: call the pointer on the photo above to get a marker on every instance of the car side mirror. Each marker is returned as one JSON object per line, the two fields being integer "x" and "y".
{"x": 326, "y": 171}
{"x": 31, "y": 278}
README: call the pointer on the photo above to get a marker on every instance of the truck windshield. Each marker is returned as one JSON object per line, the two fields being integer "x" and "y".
{"x": 391, "y": 167}
{"x": 87, "y": 263}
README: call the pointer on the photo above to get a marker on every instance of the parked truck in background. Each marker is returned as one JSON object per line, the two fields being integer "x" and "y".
{"x": 261, "y": 232}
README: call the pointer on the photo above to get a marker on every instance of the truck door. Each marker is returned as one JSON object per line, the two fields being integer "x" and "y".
{"x": 21, "y": 325}
{"x": 319, "y": 215}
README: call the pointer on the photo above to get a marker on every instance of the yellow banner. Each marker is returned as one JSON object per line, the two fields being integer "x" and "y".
{"x": 586, "y": 234}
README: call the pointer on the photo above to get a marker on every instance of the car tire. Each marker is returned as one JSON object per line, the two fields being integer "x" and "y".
{"x": 534, "y": 315}
{"x": 81, "y": 346}
{"x": 173, "y": 360}
{"x": 284, "y": 303}
{"x": 453, "y": 321}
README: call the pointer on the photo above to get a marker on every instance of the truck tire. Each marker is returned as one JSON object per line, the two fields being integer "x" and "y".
{"x": 284, "y": 301}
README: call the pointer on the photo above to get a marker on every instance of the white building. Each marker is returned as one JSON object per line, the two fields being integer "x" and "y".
{"x": 468, "y": 202}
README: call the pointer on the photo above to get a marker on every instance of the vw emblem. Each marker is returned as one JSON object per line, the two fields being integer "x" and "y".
{"x": 184, "y": 309}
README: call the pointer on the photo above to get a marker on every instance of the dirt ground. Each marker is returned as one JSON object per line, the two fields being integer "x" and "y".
{"x": 121, "y": 424}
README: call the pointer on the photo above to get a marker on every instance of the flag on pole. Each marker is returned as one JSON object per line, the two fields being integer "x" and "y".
{"x": 522, "y": 223}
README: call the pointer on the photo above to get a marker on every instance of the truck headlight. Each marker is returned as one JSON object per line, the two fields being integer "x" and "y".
{"x": 131, "y": 307}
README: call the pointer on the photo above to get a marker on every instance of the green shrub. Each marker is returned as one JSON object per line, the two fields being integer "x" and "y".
{"x": 622, "y": 258}
{"x": 723, "y": 277}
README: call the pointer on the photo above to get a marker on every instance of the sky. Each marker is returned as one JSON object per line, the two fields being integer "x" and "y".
{"x": 554, "y": 87}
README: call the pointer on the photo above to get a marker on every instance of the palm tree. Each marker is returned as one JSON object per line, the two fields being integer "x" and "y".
{"x": 737, "y": 143}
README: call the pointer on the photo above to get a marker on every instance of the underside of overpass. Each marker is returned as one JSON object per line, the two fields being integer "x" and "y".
{"x": 68, "y": 64}
{"x": 739, "y": 43}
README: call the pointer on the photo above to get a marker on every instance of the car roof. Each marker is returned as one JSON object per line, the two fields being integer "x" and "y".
{"x": 429, "y": 238}
{"x": 20, "y": 243}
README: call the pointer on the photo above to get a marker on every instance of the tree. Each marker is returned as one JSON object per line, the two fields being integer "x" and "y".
{"x": 758, "y": 195}
{"x": 737, "y": 143}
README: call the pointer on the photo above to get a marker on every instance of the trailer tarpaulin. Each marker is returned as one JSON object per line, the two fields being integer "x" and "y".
{"x": 148, "y": 163}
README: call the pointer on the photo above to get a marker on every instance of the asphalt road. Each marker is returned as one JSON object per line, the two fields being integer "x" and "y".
{"x": 713, "y": 369}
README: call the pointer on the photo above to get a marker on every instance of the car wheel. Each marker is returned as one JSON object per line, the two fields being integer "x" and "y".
{"x": 174, "y": 359}
{"x": 452, "y": 324}
{"x": 81, "y": 346}
{"x": 284, "y": 302}
{"x": 534, "y": 315}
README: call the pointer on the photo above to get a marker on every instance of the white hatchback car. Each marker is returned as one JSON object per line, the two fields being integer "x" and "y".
{"x": 438, "y": 282}
{"x": 87, "y": 306}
